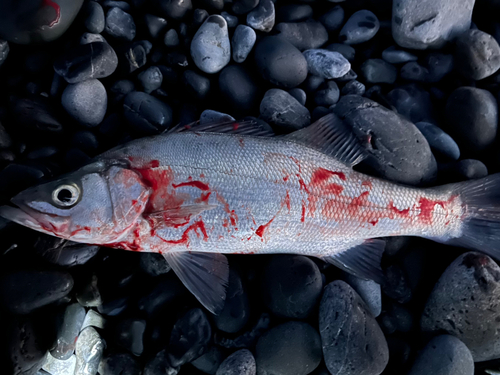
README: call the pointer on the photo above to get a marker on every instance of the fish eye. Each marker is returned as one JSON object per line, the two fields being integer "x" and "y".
{"x": 66, "y": 195}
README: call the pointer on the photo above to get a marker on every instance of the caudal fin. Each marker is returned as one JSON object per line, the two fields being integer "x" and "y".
{"x": 481, "y": 227}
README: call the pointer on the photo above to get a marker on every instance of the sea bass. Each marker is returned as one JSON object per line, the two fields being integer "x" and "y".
{"x": 194, "y": 194}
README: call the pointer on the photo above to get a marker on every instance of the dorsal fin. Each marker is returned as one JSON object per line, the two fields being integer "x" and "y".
{"x": 247, "y": 127}
{"x": 332, "y": 137}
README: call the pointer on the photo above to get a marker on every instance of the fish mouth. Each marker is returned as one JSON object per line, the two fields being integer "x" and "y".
{"x": 23, "y": 216}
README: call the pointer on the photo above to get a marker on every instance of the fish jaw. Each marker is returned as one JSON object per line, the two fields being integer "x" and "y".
{"x": 21, "y": 217}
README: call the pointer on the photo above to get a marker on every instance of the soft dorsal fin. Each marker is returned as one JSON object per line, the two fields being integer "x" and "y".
{"x": 247, "y": 127}
{"x": 361, "y": 260}
{"x": 205, "y": 275}
{"x": 332, "y": 137}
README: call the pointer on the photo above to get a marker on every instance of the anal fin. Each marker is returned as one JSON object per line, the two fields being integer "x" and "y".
{"x": 361, "y": 260}
{"x": 203, "y": 274}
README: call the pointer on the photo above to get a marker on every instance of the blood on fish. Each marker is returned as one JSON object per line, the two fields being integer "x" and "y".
{"x": 56, "y": 7}
{"x": 303, "y": 217}
{"x": 260, "y": 230}
{"x": 332, "y": 188}
{"x": 87, "y": 229}
{"x": 203, "y": 198}
{"x": 242, "y": 142}
{"x": 197, "y": 184}
{"x": 184, "y": 240}
{"x": 287, "y": 200}
{"x": 322, "y": 175}
{"x": 426, "y": 207}
{"x": 202, "y": 175}
{"x": 373, "y": 222}
{"x": 285, "y": 178}
{"x": 367, "y": 183}
{"x": 232, "y": 214}
{"x": 404, "y": 212}
{"x": 357, "y": 203}
{"x": 236, "y": 125}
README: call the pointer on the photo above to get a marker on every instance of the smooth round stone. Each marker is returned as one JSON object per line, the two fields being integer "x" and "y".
{"x": 241, "y": 7}
{"x": 189, "y": 338}
{"x": 444, "y": 355}
{"x": 25, "y": 22}
{"x": 60, "y": 367}
{"x": 403, "y": 156}
{"x": 412, "y": 102}
{"x": 154, "y": 264}
{"x": 210, "y": 361}
{"x": 88, "y": 38}
{"x": 123, "y": 5}
{"x": 155, "y": 25}
{"x": 299, "y": 94}
{"x": 22, "y": 350}
{"x": 175, "y": 9}
{"x": 432, "y": 24}
{"x": 150, "y": 79}
{"x": 472, "y": 117}
{"x": 135, "y": 57}
{"x": 333, "y": 19}
{"x": 93, "y": 60}
{"x": 93, "y": 319}
{"x": 164, "y": 293}
{"x": 464, "y": 304}
{"x": 84, "y": 140}
{"x": 413, "y": 71}
{"x": 240, "y": 362}
{"x": 238, "y": 88}
{"x": 232, "y": 21}
{"x": 326, "y": 64}
{"x": 88, "y": 294}
{"x": 353, "y": 88}
{"x": 393, "y": 55}
{"x": 303, "y": 35}
{"x": 146, "y": 114}
{"x": 70, "y": 322}
{"x": 171, "y": 38}
{"x": 120, "y": 24}
{"x": 369, "y": 291}
{"x": 25, "y": 291}
{"x": 262, "y": 17}
{"x": 119, "y": 364}
{"x": 94, "y": 17}
{"x": 89, "y": 350}
{"x": 210, "y": 47}
{"x": 197, "y": 86}
{"x": 293, "y": 12}
{"x": 120, "y": 89}
{"x": 243, "y": 41}
{"x": 439, "y": 66}
{"x": 292, "y": 348}
{"x": 352, "y": 341}
{"x": 345, "y": 50}
{"x": 129, "y": 335}
{"x": 281, "y": 110}
{"x": 477, "y": 54}
{"x": 378, "y": 71}
{"x": 359, "y": 28}
{"x": 470, "y": 169}
{"x": 4, "y": 51}
{"x": 209, "y": 116}
{"x": 86, "y": 102}
{"x": 349, "y": 76}
{"x": 280, "y": 63}
{"x": 328, "y": 95}
{"x": 439, "y": 141}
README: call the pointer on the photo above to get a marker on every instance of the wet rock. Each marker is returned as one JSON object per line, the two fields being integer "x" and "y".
{"x": 86, "y": 102}
{"x": 93, "y": 319}
{"x": 94, "y": 17}
{"x": 283, "y": 111}
{"x": 60, "y": 367}
{"x": 210, "y": 47}
{"x": 359, "y": 28}
{"x": 412, "y": 102}
{"x": 326, "y": 64}
{"x": 88, "y": 38}
{"x": 129, "y": 335}
{"x": 244, "y": 6}
{"x": 119, "y": 364}
{"x": 345, "y": 50}
{"x": 472, "y": 117}
{"x": 120, "y": 24}
{"x": 440, "y": 142}
{"x": 353, "y": 88}
{"x": 88, "y": 293}
{"x": 429, "y": 24}
{"x": 397, "y": 150}
{"x": 477, "y": 54}
{"x": 242, "y": 43}
{"x": 190, "y": 337}
{"x": 303, "y": 35}
{"x": 292, "y": 348}
{"x": 155, "y": 25}
{"x": 154, "y": 264}
{"x": 22, "y": 347}
{"x": 352, "y": 341}
{"x": 25, "y": 291}
{"x": 294, "y": 12}
{"x": 369, "y": 291}
{"x": 197, "y": 85}
{"x": 333, "y": 19}
{"x": 469, "y": 169}
{"x": 464, "y": 303}
{"x": 393, "y": 55}
{"x": 175, "y": 9}
{"x": 171, "y": 38}
{"x": 93, "y": 60}
{"x": 210, "y": 361}
{"x": 238, "y": 88}
{"x": 327, "y": 95}
{"x": 299, "y": 94}
{"x": 262, "y": 17}
{"x": 150, "y": 79}
{"x": 240, "y": 362}
{"x": 280, "y": 63}
{"x": 444, "y": 355}
{"x": 378, "y": 71}
{"x": 70, "y": 323}
{"x": 146, "y": 114}
{"x": 209, "y": 116}
{"x": 133, "y": 58}
{"x": 232, "y": 21}
{"x": 63, "y": 252}
{"x": 159, "y": 364}
{"x": 89, "y": 349}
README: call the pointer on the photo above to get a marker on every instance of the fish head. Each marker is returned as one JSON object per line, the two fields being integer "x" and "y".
{"x": 97, "y": 204}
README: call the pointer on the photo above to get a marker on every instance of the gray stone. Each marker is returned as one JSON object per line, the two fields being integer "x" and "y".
{"x": 89, "y": 295}
{"x": 396, "y": 148}
{"x": 56, "y": 366}
{"x": 70, "y": 324}
{"x": 477, "y": 54}
{"x": 299, "y": 94}
{"x": 326, "y": 64}
{"x": 444, "y": 355}
{"x": 333, "y": 19}
{"x": 439, "y": 141}
{"x": 93, "y": 319}
{"x": 89, "y": 349}
{"x": 303, "y": 35}
{"x": 86, "y": 102}
{"x": 120, "y": 24}
{"x": 465, "y": 303}
{"x": 353, "y": 343}
{"x": 155, "y": 25}
{"x": 208, "y": 116}
{"x": 94, "y": 17}
{"x": 120, "y": 364}
{"x": 379, "y": 71}
{"x": 359, "y": 28}
{"x": 422, "y": 24}
{"x": 88, "y": 38}
{"x": 413, "y": 102}
{"x": 328, "y": 95}
{"x": 210, "y": 361}
{"x": 210, "y": 47}
{"x": 262, "y": 17}
{"x": 353, "y": 88}
{"x": 171, "y": 38}
{"x": 150, "y": 79}
{"x": 369, "y": 291}
{"x": 393, "y": 55}
{"x": 240, "y": 362}
{"x": 280, "y": 109}
{"x": 4, "y": 51}
{"x": 345, "y": 50}
{"x": 232, "y": 21}
{"x": 470, "y": 169}
{"x": 145, "y": 113}
{"x": 243, "y": 41}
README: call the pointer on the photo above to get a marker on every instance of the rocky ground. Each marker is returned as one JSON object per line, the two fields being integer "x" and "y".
{"x": 418, "y": 82}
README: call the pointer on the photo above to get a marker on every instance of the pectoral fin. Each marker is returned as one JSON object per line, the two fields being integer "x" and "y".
{"x": 176, "y": 216}
{"x": 203, "y": 274}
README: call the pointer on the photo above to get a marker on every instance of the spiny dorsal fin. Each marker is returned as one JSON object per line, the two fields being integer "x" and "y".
{"x": 247, "y": 127}
{"x": 332, "y": 137}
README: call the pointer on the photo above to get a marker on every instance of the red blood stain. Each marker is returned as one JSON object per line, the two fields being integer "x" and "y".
{"x": 287, "y": 200}
{"x": 132, "y": 246}
{"x": 56, "y": 7}
{"x": 232, "y": 214}
{"x": 197, "y": 184}
{"x": 303, "y": 217}
{"x": 203, "y": 198}
{"x": 87, "y": 229}
{"x": 367, "y": 183}
{"x": 357, "y": 203}
{"x": 134, "y": 202}
{"x": 335, "y": 189}
{"x": 321, "y": 175}
{"x": 197, "y": 227}
{"x": 242, "y": 142}
{"x": 404, "y": 213}
{"x": 426, "y": 207}
{"x": 303, "y": 186}
{"x": 236, "y": 125}
{"x": 373, "y": 222}
{"x": 225, "y": 223}
{"x": 285, "y": 178}
{"x": 202, "y": 175}
{"x": 260, "y": 230}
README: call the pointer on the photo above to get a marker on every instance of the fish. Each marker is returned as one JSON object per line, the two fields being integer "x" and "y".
{"x": 199, "y": 192}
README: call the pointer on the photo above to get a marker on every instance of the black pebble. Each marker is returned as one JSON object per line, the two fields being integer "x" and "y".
{"x": 146, "y": 114}
{"x": 197, "y": 86}
{"x": 238, "y": 88}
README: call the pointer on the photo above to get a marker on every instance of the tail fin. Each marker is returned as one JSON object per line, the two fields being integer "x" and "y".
{"x": 481, "y": 228}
